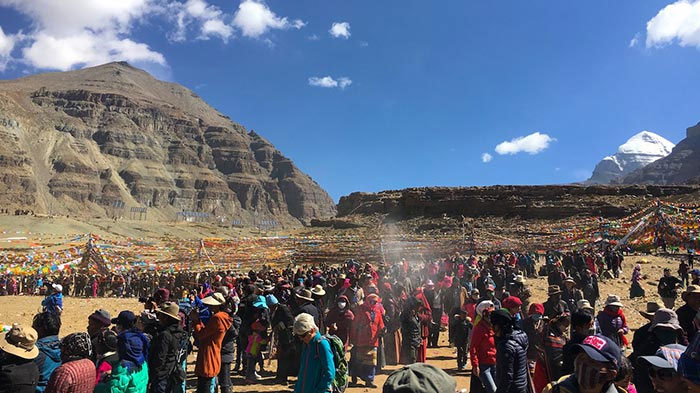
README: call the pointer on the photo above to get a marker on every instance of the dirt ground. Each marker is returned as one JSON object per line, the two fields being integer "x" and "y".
{"x": 22, "y": 308}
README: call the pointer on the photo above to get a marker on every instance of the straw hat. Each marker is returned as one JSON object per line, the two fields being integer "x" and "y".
{"x": 652, "y": 308}
{"x": 613, "y": 300}
{"x": 318, "y": 290}
{"x": 20, "y": 341}
{"x": 216, "y": 299}
{"x": 170, "y": 309}
{"x": 305, "y": 294}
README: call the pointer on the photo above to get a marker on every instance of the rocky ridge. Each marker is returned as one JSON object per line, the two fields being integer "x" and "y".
{"x": 85, "y": 141}
{"x": 526, "y": 202}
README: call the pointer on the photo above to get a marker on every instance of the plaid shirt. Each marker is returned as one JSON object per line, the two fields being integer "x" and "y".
{"x": 73, "y": 377}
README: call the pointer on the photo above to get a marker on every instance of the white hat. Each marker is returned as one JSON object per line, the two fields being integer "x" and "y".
{"x": 485, "y": 305}
{"x": 613, "y": 300}
{"x": 303, "y": 324}
{"x": 57, "y": 287}
{"x": 215, "y": 299}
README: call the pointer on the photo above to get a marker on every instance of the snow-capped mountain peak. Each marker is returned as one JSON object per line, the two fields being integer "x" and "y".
{"x": 639, "y": 151}
{"x": 647, "y": 142}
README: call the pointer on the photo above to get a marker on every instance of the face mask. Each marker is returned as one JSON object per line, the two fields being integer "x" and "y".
{"x": 588, "y": 376}
{"x": 342, "y": 304}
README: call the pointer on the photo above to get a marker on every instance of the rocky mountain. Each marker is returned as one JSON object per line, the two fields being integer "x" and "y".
{"x": 679, "y": 167}
{"x": 87, "y": 142}
{"x": 639, "y": 151}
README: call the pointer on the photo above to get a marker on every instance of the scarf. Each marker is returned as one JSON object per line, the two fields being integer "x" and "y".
{"x": 621, "y": 315}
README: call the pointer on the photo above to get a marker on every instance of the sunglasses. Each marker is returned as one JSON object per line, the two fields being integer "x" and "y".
{"x": 661, "y": 373}
{"x": 303, "y": 335}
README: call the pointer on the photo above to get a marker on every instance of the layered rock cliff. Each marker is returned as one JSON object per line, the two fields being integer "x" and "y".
{"x": 527, "y": 202}
{"x": 85, "y": 141}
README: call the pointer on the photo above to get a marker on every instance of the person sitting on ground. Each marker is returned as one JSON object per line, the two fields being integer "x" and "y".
{"x": 419, "y": 378}
{"x": 18, "y": 372}
{"x": 596, "y": 364}
{"x": 47, "y": 325}
{"x": 317, "y": 369}
{"x": 76, "y": 374}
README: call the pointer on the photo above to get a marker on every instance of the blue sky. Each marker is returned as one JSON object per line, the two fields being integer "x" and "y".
{"x": 428, "y": 87}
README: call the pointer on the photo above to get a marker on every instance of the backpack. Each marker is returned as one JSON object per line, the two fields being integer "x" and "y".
{"x": 340, "y": 382}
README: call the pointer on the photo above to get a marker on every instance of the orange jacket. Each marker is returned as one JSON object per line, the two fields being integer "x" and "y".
{"x": 210, "y": 338}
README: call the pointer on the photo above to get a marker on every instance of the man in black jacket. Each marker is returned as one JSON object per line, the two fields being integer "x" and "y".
{"x": 410, "y": 331}
{"x": 163, "y": 358}
{"x": 511, "y": 354}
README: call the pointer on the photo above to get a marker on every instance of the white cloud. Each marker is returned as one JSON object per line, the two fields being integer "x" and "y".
{"x": 254, "y": 19}
{"x": 66, "y": 34}
{"x": 486, "y": 158}
{"x": 218, "y": 28}
{"x": 677, "y": 22}
{"x": 340, "y": 29}
{"x": 7, "y": 43}
{"x": 634, "y": 41}
{"x": 209, "y": 19}
{"x": 344, "y": 82}
{"x": 313, "y": 37}
{"x": 532, "y": 144}
{"x": 329, "y": 82}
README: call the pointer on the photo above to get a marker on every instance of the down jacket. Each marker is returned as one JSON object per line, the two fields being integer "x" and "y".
{"x": 511, "y": 365}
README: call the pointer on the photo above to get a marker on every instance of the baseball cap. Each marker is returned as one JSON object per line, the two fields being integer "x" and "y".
{"x": 666, "y": 357}
{"x": 601, "y": 349}
{"x": 125, "y": 318}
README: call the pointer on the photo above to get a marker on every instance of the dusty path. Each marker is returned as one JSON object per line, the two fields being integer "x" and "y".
{"x": 22, "y": 308}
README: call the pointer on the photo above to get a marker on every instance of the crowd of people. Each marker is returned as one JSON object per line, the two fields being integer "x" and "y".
{"x": 330, "y": 327}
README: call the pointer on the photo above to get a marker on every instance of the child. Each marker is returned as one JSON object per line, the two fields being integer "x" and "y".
{"x": 462, "y": 326}
{"x": 624, "y": 377}
{"x": 253, "y": 351}
{"x": 54, "y": 302}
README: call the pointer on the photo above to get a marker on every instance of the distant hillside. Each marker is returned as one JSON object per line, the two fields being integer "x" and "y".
{"x": 85, "y": 141}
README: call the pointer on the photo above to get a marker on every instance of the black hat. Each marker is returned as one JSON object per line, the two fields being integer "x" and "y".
{"x": 125, "y": 318}
{"x": 501, "y": 317}
{"x": 419, "y": 378}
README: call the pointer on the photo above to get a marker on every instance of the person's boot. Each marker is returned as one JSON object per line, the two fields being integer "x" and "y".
{"x": 370, "y": 384}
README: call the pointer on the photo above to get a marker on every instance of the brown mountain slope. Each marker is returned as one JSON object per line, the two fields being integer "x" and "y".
{"x": 77, "y": 142}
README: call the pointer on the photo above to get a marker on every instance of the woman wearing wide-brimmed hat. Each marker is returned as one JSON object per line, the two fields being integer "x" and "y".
{"x": 612, "y": 321}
